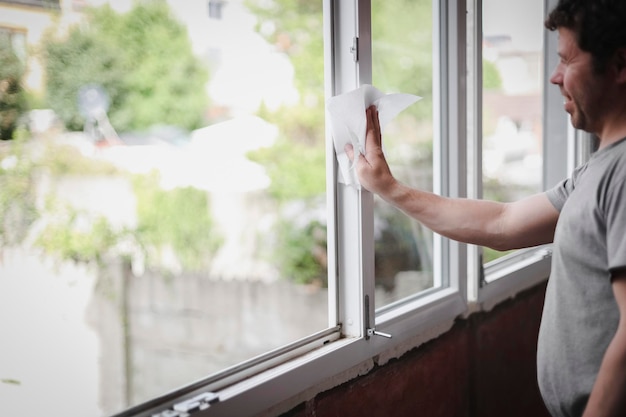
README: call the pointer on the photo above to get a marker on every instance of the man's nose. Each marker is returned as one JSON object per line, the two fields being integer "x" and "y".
{"x": 557, "y": 76}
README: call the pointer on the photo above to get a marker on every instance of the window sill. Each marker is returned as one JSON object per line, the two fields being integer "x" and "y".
{"x": 508, "y": 279}
{"x": 284, "y": 386}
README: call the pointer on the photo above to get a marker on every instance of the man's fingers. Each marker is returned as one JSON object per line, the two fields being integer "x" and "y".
{"x": 373, "y": 126}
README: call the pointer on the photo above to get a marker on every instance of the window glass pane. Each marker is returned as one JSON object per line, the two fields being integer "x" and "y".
{"x": 163, "y": 214}
{"x": 402, "y": 62}
{"x": 512, "y": 100}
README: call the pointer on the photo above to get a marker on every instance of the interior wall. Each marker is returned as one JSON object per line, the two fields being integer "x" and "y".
{"x": 483, "y": 367}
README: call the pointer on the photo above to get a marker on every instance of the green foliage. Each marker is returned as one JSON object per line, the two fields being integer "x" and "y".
{"x": 66, "y": 160}
{"x": 79, "y": 60}
{"x": 302, "y": 257}
{"x": 72, "y": 234}
{"x": 296, "y": 164}
{"x": 12, "y": 94}
{"x": 178, "y": 218}
{"x": 17, "y": 192}
{"x": 77, "y": 235}
{"x": 402, "y": 50}
{"x": 142, "y": 59}
{"x": 10, "y": 381}
{"x": 297, "y": 31}
{"x": 492, "y": 254}
{"x": 298, "y": 171}
{"x": 494, "y": 189}
{"x": 491, "y": 76}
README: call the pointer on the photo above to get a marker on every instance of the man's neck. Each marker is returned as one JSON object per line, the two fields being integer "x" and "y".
{"x": 614, "y": 128}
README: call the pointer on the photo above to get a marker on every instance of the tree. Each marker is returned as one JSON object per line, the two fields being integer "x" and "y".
{"x": 298, "y": 32}
{"x": 12, "y": 96}
{"x": 143, "y": 60}
{"x": 402, "y": 51}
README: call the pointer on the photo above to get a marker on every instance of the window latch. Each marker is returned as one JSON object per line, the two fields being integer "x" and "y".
{"x": 371, "y": 330}
{"x": 354, "y": 49}
{"x": 189, "y": 406}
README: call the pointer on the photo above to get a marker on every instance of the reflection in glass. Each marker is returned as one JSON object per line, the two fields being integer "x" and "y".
{"x": 512, "y": 46}
{"x": 402, "y": 62}
{"x": 174, "y": 224}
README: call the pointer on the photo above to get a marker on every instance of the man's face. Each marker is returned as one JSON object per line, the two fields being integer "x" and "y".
{"x": 584, "y": 91}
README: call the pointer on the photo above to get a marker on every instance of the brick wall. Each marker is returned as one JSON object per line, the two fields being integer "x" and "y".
{"x": 483, "y": 367}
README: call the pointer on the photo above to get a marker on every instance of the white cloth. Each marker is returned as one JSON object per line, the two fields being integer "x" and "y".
{"x": 346, "y": 113}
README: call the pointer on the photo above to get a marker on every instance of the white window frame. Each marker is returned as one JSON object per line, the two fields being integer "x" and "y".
{"x": 416, "y": 315}
{"x": 284, "y": 378}
{"x": 522, "y": 269}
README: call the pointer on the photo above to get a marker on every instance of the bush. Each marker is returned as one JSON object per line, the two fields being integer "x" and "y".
{"x": 178, "y": 219}
{"x": 302, "y": 255}
{"x": 12, "y": 95}
{"x": 17, "y": 192}
{"x": 78, "y": 236}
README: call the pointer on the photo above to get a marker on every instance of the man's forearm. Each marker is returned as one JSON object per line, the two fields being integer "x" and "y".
{"x": 501, "y": 226}
{"x": 464, "y": 220}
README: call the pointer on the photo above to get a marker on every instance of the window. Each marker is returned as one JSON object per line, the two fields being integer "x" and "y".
{"x": 171, "y": 247}
{"x": 402, "y": 61}
{"x": 512, "y": 62}
{"x": 215, "y": 262}
{"x": 512, "y": 86}
{"x": 17, "y": 40}
{"x": 508, "y": 83}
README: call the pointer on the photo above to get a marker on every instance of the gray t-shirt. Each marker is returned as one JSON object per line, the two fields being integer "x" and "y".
{"x": 580, "y": 313}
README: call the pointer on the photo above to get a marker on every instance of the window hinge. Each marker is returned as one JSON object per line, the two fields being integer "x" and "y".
{"x": 190, "y": 406}
{"x": 481, "y": 272}
{"x": 371, "y": 331}
{"x": 354, "y": 49}
{"x": 483, "y": 280}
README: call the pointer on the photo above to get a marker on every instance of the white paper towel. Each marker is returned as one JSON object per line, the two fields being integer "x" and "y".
{"x": 348, "y": 123}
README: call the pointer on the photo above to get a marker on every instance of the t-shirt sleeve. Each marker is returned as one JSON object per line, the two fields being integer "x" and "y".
{"x": 615, "y": 217}
{"x": 559, "y": 193}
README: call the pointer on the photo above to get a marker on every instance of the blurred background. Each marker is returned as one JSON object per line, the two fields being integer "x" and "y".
{"x": 163, "y": 185}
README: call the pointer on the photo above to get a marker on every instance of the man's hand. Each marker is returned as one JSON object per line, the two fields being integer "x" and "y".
{"x": 371, "y": 167}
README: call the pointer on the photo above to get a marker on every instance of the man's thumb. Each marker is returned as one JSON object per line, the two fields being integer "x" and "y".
{"x": 349, "y": 151}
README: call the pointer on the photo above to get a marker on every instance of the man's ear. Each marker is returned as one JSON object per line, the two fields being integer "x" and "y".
{"x": 619, "y": 59}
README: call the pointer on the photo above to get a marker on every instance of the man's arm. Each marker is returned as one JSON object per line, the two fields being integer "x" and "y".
{"x": 608, "y": 397}
{"x": 502, "y": 226}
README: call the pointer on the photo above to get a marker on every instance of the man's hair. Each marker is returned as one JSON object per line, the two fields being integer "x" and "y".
{"x": 599, "y": 25}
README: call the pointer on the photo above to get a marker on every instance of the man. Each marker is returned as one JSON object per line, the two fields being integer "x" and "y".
{"x": 582, "y": 341}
